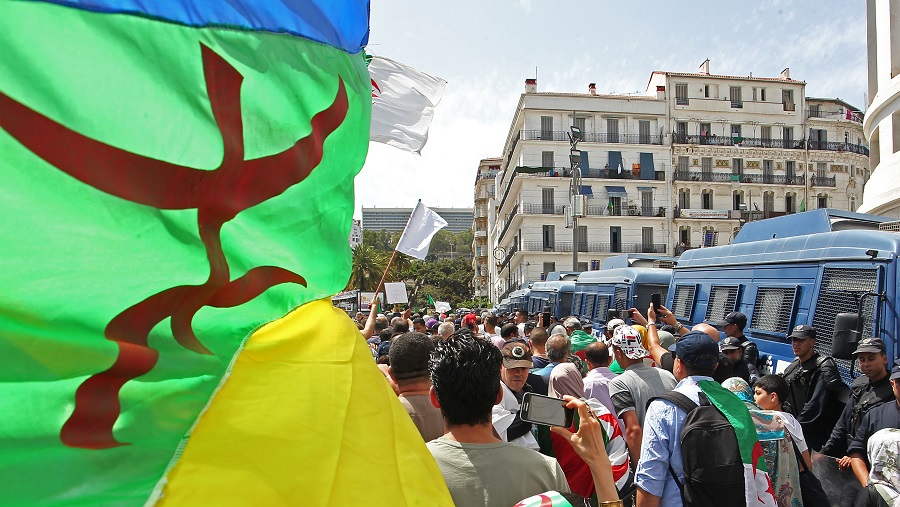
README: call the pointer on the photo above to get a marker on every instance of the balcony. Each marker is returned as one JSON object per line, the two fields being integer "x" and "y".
{"x": 509, "y": 219}
{"x": 593, "y": 247}
{"x": 727, "y": 177}
{"x": 626, "y": 211}
{"x": 512, "y": 251}
{"x": 593, "y": 172}
{"x": 846, "y": 115}
{"x": 822, "y": 181}
{"x": 481, "y": 233}
{"x": 743, "y": 142}
{"x": 840, "y": 147}
{"x": 541, "y": 209}
{"x": 590, "y": 137}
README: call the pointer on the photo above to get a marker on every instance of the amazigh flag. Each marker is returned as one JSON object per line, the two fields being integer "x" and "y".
{"x": 177, "y": 177}
{"x": 757, "y": 485}
{"x": 403, "y": 102}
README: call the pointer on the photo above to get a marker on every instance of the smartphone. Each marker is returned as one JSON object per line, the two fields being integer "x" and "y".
{"x": 546, "y": 315}
{"x": 611, "y": 314}
{"x": 624, "y": 314}
{"x": 539, "y": 409}
{"x": 656, "y": 300}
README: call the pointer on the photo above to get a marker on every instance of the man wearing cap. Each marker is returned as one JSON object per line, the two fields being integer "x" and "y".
{"x": 631, "y": 390}
{"x": 409, "y": 355}
{"x": 514, "y": 381}
{"x": 815, "y": 388}
{"x": 869, "y": 390}
{"x": 732, "y": 350}
{"x": 696, "y": 357}
{"x": 886, "y": 415}
{"x": 733, "y": 325}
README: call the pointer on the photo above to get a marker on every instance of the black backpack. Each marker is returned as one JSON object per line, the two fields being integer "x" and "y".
{"x": 710, "y": 455}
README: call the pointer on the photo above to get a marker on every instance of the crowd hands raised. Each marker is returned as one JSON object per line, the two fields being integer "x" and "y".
{"x": 463, "y": 379}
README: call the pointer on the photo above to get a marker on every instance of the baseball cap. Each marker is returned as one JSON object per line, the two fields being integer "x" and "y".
{"x": 803, "y": 332}
{"x": 586, "y": 323}
{"x": 628, "y": 340}
{"x": 895, "y": 372}
{"x": 469, "y": 320}
{"x": 730, "y": 343}
{"x": 516, "y": 355}
{"x": 666, "y": 339}
{"x": 735, "y": 318}
{"x": 698, "y": 349}
{"x": 613, "y": 324}
{"x": 870, "y": 345}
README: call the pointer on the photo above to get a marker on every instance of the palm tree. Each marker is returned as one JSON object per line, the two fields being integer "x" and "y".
{"x": 368, "y": 266}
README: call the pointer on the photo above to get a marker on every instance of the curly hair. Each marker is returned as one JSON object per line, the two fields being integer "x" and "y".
{"x": 465, "y": 374}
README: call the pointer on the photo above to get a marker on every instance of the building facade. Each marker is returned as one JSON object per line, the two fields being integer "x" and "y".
{"x": 485, "y": 211}
{"x": 882, "y": 120}
{"x": 395, "y": 219}
{"x": 682, "y": 166}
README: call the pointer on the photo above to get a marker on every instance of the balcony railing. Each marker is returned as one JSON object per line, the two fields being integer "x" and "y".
{"x": 590, "y": 137}
{"x": 593, "y": 172}
{"x": 541, "y": 209}
{"x": 512, "y": 251}
{"x": 749, "y": 142}
{"x": 509, "y": 219}
{"x": 773, "y": 179}
{"x": 822, "y": 181}
{"x": 839, "y": 146}
{"x": 848, "y": 115}
{"x": 626, "y": 211}
{"x": 594, "y": 247}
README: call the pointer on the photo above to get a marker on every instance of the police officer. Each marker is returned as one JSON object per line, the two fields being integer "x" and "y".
{"x": 733, "y": 325}
{"x": 815, "y": 388}
{"x": 886, "y": 415}
{"x": 868, "y": 390}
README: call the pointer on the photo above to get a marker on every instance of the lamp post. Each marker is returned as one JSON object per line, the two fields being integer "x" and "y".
{"x": 577, "y": 204}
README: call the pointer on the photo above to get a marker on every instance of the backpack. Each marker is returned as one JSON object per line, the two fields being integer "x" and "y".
{"x": 710, "y": 478}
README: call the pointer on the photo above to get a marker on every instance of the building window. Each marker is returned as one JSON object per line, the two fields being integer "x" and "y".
{"x": 790, "y": 172}
{"x": 684, "y": 198}
{"x": 814, "y": 111}
{"x": 647, "y": 203}
{"x": 787, "y": 135}
{"x": 682, "y": 166}
{"x": 644, "y": 131}
{"x": 706, "y": 168}
{"x": 762, "y": 94}
{"x": 737, "y": 198}
{"x": 768, "y": 171}
{"x": 615, "y": 239}
{"x": 822, "y": 201}
{"x": 787, "y": 100}
{"x": 818, "y": 139}
{"x": 647, "y": 239}
{"x": 737, "y": 168}
{"x": 681, "y": 131}
{"x": 735, "y": 94}
{"x": 547, "y": 201}
{"x": 681, "y": 94}
{"x": 706, "y": 199}
{"x": 706, "y": 91}
{"x": 768, "y": 202}
{"x": 549, "y": 235}
{"x": 790, "y": 203}
{"x": 547, "y": 127}
{"x": 765, "y": 133}
{"x": 582, "y": 237}
{"x": 615, "y": 206}
{"x": 684, "y": 235}
{"x": 736, "y": 132}
{"x": 705, "y": 131}
{"x": 612, "y": 130}
{"x": 582, "y": 266}
{"x": 549, "y": 267}
{"x": 710, "y": 238}
{"x": 579, "y": 124}
{"x": 547, "y": 159}
{"x": 821, "y": 170}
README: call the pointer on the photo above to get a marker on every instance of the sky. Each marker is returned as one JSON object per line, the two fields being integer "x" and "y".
{"x": 486, "y": 49}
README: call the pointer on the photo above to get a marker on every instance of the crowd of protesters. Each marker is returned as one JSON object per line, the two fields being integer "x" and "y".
{"x": 462, "y": 379}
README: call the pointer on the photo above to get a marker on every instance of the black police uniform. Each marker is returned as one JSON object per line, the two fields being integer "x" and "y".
{"x": 813, "y": 392}
{"x": 886, "y": 415}
{"x": 864, "y": 395}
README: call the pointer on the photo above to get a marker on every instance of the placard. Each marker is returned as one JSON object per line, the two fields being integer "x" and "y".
{"x": 396, "y": 292}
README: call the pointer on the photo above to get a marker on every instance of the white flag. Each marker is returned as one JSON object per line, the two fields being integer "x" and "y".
{"x": 441, "y": 306}
{"x": 403, "y": 101}
{"x": 422, "y": 226}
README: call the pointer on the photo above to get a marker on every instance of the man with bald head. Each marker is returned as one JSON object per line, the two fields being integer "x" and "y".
{"x": 557, "y": 347}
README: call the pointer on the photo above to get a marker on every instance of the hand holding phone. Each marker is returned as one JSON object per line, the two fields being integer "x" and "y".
{"x": 546, "y": 410}
{"x": 656, "y": 301}
{"x": 546, "y": 315}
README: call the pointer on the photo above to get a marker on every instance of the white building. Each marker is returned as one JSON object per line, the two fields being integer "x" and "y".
{"x": 882, "y": 121}
{"x": 485, "y": 212}
{"x": 688, "y": 161}
{"x": 355, "y": 234}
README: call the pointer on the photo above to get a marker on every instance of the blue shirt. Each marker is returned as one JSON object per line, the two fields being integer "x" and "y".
{"x": 661, "y": 445}
{"x": 545, "y": 371}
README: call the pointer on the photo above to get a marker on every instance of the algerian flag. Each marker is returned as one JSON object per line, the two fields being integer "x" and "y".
{"x": 422, "y": 226}
{"x": 757, "y": 485}
{"x": 403, "y": 101}
{"x": 177, "y": 189}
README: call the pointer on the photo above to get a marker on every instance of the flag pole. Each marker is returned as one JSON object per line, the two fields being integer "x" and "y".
{"x": 394, "y": 254}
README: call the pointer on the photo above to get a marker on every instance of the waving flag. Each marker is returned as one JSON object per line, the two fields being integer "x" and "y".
{"x": 177, "y": 177}
{"x": 403, "y": 102}
{"x": 757, "y": 484}
{"x": 422, "y": 226}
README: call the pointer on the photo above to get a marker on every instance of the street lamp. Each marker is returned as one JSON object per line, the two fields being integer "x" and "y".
{"x": 577, "y": 201}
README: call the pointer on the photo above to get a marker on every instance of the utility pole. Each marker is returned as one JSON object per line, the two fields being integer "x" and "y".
{"x": 577, "y": 200}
